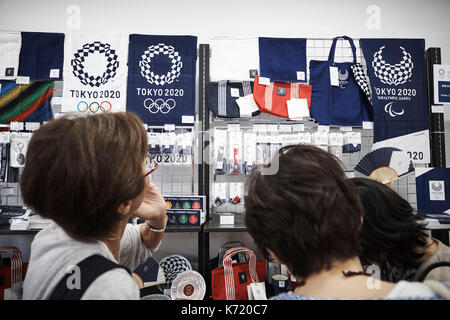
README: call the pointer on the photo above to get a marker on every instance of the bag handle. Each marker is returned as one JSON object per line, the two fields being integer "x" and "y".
{"x": 333, "y": 48}
{"x": 16, "y": 263}
{"x": 228, "y": 269}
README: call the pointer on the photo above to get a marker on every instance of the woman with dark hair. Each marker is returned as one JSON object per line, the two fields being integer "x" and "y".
{"x": 90, "y": 175}
{"x": 393, "y": 237}
{"x": 303, "y": 212}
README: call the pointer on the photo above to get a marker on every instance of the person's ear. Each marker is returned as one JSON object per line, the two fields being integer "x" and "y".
{"x": 125, "y": 207}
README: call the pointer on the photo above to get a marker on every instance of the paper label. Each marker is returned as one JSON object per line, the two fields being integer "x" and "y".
{"x": 334, "y": 76}
{"x": 234, "y": 92}
{"x": 437, "y": 109}
{"x": 23, "y": 80}
{"x": 367, "y": 125}
{"x": 301, "y": 75}
{"x": 264, "y": 81}
{"x": 297, "y": 108}
{"x": 187, "y": 119}
{"x": 169, "y": 127}
{"x": 54, "y": 73}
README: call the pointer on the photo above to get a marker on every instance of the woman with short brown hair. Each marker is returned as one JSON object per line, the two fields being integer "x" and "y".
{"x": 89, "y": 175}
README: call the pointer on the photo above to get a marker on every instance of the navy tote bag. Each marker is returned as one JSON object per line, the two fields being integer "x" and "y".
{"x": 343, "y": 105}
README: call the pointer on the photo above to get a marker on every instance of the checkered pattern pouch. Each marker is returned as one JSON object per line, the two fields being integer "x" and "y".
{"x": 361, "y": 79}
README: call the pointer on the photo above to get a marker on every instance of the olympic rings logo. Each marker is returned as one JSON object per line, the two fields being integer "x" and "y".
{"x": 104, "y": 106}
{"x": 159, "y": 105}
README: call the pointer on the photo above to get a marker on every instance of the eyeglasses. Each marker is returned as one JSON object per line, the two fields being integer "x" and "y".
{"x": 150, "y": 164}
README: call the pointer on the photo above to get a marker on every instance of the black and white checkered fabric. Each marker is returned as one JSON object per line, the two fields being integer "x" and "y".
{"x": 172, "y": 266}
{"x": 392, "y": 74}
{"x": 361, "y": 80}
{"x": 174, "y": 58}
{"x": 87, "y": 49}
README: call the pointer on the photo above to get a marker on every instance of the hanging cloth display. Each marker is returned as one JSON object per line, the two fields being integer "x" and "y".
{"x": 41, "y": 55}
{"x": 283, "y": 59}
{"x": 336, "y": 96}
{"x": 233, "y": 59}
{"x": 26, "y": 103}
{"x": 273, "y": 97}
{"x": 161, "y": 79}
{"x": 396, "y": 69}
{"x": 10, "y": 43}
{"x": 95, "y": 73}
{"x": 223, "y": 96}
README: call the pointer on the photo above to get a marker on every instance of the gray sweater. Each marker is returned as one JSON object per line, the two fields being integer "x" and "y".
{"x": 54, "y": 252}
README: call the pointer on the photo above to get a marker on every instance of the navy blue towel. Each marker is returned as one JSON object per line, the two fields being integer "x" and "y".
{"x": 41, "y": 55}
{"x": 283, "y": 59}
{"x": 433, "y": 190}
{"x": 396, "y": 69}
{"x": 161, "y": 78}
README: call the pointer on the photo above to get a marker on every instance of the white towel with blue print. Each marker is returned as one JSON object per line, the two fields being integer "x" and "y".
{"x": 10, "y": 44}
{"x": 95, "y": 73}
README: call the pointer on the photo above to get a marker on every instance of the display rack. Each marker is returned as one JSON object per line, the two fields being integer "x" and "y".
{"x": 317, "y": 49}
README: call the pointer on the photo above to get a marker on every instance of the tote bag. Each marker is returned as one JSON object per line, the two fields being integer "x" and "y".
{"x": 273, "y": 98}
{"x": 230, "y": 281}
{"x": 343, "y": 105}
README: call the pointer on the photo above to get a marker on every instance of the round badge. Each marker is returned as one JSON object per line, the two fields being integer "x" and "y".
{"x": 168, "y": 205}
{"x": 193, "y": 219}
{"x": 186, "y": 205}
{"x": 173, "y": 218}
{"x": 196, "y": 205}
{"x": 183, "y": 218}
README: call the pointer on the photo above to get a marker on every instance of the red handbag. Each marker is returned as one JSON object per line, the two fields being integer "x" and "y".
{"x": 230, "y": 281}
{"x": 12, "y": 274}
{"x": 273, "y": 98}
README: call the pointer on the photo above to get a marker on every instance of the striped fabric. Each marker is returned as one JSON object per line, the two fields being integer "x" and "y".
{"x": 29, "y": 102}
{"x": 16, "y": 263}
{"x": 228, "y": 269}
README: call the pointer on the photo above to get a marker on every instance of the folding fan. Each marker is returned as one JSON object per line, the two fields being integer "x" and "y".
{"x": 149, "y": 274}
{"x": 385, "y": 165}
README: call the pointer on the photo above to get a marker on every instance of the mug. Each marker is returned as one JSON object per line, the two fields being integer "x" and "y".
{"x": 280, "y": 283}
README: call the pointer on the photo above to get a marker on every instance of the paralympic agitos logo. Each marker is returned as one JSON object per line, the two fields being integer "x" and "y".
{"x": 393, "y": 75}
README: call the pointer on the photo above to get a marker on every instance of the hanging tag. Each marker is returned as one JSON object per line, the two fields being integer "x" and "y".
{"x": 334, "y": 76}
{"x": 256, "y": 291}
{"x": 234, "y": 92}
{"x": 264, "y": 81}
{"x": 54, "y": 73}
{"x": 301, "y": 75}
{"x": 23, "y": 80}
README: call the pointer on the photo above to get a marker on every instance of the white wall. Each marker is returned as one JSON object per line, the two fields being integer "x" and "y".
{"x": 209, "y": 18}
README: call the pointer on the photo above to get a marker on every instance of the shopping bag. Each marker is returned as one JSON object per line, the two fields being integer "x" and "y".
{"x": 230, "y": 281}
{"x": 337, "y": 100}
{"x": 273, "y": 97}
{"x": 12, "y": 275}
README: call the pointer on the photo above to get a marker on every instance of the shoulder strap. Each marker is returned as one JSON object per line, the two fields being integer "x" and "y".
{"x": 431, "y": 267}
{"x": 89, "y": 269}
{"x": 438, "y": 288}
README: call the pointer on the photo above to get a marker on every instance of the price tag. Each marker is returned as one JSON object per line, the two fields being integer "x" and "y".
{"x": 367, "y": 125}
{"x": 301, "y": 75}
{"x": 272, "y": 127}
{"x": 54, "y": 73}
{"x": 334, "y": 77}
{"x": 264, "y": 81}
{"x": 32, "y": 126}
{"x": 285, "y": 127}
{"x": 259, "y": 127}
{"x": 437, "y": 109}
{"x": 323, "y": 128}
{"x": 234, "y": 92}
{"x": 169, "y": 127}
{"x": 187, "y": 119}
{"x": 298, "y": 127}
{"x": 23, "y": 80}
{"x": 234, "y": 127}
{"x": 346, "y": 129}
{"x": 16, "y": 126}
